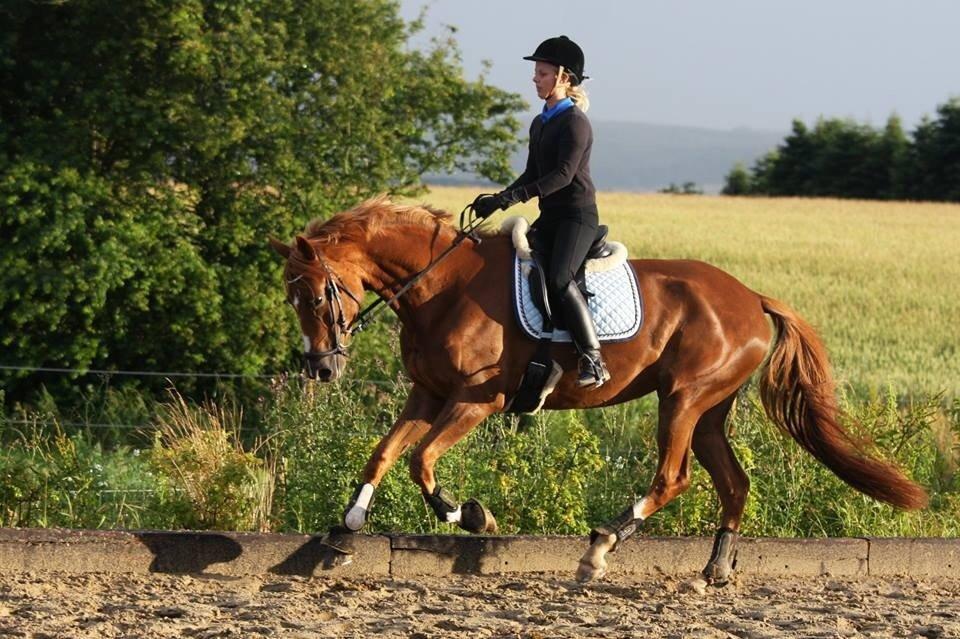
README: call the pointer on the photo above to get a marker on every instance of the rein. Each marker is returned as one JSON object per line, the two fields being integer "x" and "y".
{"x": 468, "y": 227}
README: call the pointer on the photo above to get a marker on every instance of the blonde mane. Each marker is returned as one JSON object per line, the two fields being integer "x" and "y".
{"x": 371, "y": 216}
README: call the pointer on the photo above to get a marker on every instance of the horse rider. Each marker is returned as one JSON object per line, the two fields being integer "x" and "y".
{"x": 558, "y": 173}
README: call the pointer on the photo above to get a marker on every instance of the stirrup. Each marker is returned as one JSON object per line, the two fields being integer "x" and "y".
{"x": 593, "y": 372}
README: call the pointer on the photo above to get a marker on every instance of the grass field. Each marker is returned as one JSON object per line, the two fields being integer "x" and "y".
{"x": 879, "y": 280}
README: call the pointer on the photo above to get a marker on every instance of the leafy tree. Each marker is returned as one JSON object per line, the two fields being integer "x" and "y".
{"x": 934, "y": 159}
{"x": 893, "y": 158}
{"x": 687, "y": 188}
{"x": 793, "y": 170}
{"x": 842, "y": 158}
{"x": 737, "y": 181}
{"x": 147, "y": 148}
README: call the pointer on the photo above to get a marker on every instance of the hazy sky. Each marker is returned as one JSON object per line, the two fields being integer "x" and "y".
{"x": 724, "y": 63}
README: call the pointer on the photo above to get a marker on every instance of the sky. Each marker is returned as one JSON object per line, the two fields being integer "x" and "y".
{"x": 722, "y": 64}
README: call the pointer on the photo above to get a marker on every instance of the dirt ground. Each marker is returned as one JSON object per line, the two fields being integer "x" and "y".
{"x": 56, "y": 605}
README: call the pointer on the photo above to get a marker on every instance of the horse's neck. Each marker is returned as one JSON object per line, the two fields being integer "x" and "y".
{"x": 399, "y": 254}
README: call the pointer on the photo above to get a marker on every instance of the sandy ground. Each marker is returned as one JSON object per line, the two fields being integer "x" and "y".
{"x": 54, "y": 605}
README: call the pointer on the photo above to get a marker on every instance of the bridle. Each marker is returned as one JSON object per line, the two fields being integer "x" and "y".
{"x": 334, "y": 284}
{"x": 338, "y": 320}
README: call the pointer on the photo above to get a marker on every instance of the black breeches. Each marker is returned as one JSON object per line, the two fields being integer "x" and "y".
{"x": 569, "y": 245}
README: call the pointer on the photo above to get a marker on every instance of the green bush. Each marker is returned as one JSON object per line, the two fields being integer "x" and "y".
{"x": 559, "y": 472}
{"x": 205, "y": 475}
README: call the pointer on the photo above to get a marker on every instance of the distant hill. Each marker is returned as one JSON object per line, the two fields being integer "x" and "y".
{"x": 633, "y": 156}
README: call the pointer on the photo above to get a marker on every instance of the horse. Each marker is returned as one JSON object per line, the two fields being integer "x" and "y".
{"x": 704, "y": 334}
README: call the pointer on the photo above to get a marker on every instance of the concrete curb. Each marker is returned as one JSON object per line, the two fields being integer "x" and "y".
{"x": 83, "y": 551}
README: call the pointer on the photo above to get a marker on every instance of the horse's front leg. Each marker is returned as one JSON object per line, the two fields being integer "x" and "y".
{"x": 458, "y": 417}
{"x": 415, "y": 420}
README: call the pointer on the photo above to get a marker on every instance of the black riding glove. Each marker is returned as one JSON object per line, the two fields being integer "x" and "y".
{"x": 486, "y": 205}
{"x": 512, "y": 196}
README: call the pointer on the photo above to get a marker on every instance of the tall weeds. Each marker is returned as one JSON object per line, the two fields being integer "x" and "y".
{"x": 205, "y": 472}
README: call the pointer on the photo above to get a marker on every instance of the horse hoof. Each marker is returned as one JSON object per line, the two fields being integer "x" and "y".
{"x": 717, "y": 575}
{"x": 587, "y": 572}
{"x": 475, "y": 518}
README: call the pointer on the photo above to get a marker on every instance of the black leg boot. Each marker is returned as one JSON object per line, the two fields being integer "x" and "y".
{"x": 593, "y": 372}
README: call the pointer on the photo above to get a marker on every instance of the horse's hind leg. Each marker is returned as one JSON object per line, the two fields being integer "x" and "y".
{"x": 678, "y": 416}
{"x": 713, "y": 451}
{"x": 415, "y": 420}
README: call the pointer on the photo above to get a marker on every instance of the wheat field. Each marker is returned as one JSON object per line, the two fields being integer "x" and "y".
{"x": 879, "y": 280}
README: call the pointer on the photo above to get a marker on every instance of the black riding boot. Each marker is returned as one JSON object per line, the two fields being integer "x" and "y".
{"x": 593, "y": 372}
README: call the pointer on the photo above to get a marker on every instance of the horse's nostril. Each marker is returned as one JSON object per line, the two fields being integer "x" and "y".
{"x": 325, "y": 374}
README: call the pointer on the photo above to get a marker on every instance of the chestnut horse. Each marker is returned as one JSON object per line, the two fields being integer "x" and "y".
{"x": 703, "y": 336}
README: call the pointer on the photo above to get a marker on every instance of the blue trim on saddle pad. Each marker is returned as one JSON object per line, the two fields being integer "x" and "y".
{"x": 616, "y": 304}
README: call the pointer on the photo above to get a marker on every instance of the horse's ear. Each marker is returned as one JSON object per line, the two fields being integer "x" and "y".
{"x": 283, "y": 250}
{"x": 306, "y": 249}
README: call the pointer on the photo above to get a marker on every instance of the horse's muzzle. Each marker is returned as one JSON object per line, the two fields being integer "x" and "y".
{"x": 325, "y": 368}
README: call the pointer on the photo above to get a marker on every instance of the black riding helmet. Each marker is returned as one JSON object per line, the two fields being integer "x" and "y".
{"x": 563, "y": 52}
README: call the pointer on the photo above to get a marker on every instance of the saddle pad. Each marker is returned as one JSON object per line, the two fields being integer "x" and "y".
{"x": 616, "y": 305}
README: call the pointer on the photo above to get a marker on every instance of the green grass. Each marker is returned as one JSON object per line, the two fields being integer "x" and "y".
{"x": 879, "y": 280}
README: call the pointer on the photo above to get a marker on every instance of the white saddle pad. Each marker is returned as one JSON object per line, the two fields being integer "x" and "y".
{"x": 616, "y": 304}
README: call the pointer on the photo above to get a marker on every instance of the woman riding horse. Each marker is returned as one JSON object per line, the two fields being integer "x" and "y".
{"x": 558, "y": 172}
{"x": 703, "y": 336}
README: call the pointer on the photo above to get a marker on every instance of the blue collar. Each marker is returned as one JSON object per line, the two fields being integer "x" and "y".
{"x": 556, "y": 109}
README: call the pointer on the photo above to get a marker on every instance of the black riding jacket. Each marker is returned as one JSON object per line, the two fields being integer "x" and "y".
{"x": 558, "y": 166}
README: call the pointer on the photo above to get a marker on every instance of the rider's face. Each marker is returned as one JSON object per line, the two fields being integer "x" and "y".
{"x": 545, "y": 79}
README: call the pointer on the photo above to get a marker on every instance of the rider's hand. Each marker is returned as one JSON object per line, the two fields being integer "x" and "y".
{"x": 513, "y": 196}
{"x": 486, "y": 205}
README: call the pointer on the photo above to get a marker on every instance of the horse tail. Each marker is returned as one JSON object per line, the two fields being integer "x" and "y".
{"x": 798, "y": 394}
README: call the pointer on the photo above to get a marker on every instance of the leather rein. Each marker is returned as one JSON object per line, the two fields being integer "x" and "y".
{"x": 334, "y": 284}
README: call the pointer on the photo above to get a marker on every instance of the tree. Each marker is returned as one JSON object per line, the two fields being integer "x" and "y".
{"x": 893, "y": 157}
{"x": 793, "y": 170}
{"x": 687, "y": 188}
{"x": 149, "y": 147}
{"x": 841, "y": 158}
{"x": 737, "y": 181}
{"x": 934, "y": 159}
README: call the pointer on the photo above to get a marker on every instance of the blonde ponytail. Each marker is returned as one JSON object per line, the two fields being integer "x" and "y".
{"x": 576, "y": 93}
{"x": 579, "y": 96}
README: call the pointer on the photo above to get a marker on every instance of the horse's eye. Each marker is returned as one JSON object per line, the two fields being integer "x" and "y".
{"x": 318, "y": 301}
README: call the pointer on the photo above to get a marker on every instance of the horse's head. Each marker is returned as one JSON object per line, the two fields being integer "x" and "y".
{"x": 325, "y": 306}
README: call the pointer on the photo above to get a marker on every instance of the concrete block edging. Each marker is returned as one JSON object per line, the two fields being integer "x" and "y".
{"x": 402, "y": 556}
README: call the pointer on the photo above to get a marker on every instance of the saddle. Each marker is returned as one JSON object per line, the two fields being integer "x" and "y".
{"x": 603, "y": 256}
